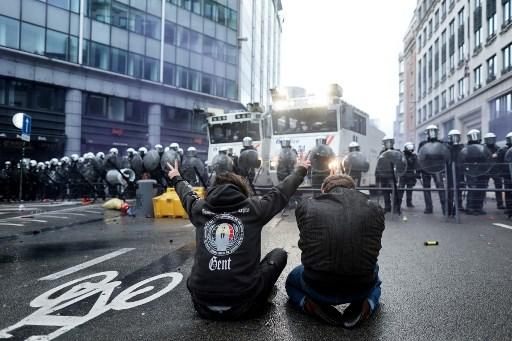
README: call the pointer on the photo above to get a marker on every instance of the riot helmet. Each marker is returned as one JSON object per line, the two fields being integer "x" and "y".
{"x": 223, "y": 151}
{"x": 432, "y": 132}
{"x": 81, "y": 160}
{"x": 192, "y": 151}
{"x": 320, "y": 141}
{"x": 247, "y": 141}
{"x": 490, "y": 139}
{"x": 88, "y": 156}
{"x": 47, "y": 163}
{"x": 40, "y": 165}
{"x": 65, "y": 160}
{"x": 113, "y": 151}
{"x": 409, "y": 147}
{"x": 353, "y": 147}
{"x": 230, "y": 151}
{"x": 54, "y": 162}
{"x": 454, "y": 137}
{"x": 159, "y": 148}
{"x": 474, "y": 136}
{"x": 180, "y": 151}
{"x": 130, "y": 151}
{"x": 7, "y": 164}
{"x": 388, "y": 143}
{"x": 33, "y": 163}
{"x": 508, "y": 138}
{"x": 286, "y": 143}
{"x": 100, "y": 155}
{"x": 143, "y": 151}
{"x": 166, "y": 149}
{"x": 74, "y": 157}
{"x": 174, "y": 146}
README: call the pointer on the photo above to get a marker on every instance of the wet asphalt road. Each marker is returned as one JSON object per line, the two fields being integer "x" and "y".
{"x": 459, "y": 290}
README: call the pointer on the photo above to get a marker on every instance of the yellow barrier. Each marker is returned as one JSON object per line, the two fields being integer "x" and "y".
{"x": 169, "y": 204}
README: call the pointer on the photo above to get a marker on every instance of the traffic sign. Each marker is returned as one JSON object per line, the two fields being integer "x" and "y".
{"x": 26, "y": 129}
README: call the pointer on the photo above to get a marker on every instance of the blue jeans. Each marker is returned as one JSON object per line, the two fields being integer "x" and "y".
{"x": 298, "y": 289}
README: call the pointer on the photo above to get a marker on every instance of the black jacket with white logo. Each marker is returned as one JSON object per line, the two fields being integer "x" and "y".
{"x": 228, "y": 225}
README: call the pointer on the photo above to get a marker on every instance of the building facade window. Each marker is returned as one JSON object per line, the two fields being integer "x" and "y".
{"x": 451, "y": 45}
{"x": 491, "y": 69}
{"x": 118, "y": 60}
{"x": 430, "y": 109}
{"x": 169, "y": 74}
{"x": 507, "y": 58}
{"x": 436, "y": 105}
{"x": 443, "y": 100}
{"x": 443, "y": 54}
{"x": 32, "y": 38}
{"x": 507, "y": 12}
{"x": 151, "y": 69}
{"x": 477, "y": 77}
{"x": 96, "y": 105}
{"x": 443, "y": 9}
{"x": 436, "y": 63}
{"x": 461, "y": 89}
{"x": 9, "y": 32}
{"x": 116, "y": 109}
{"x": 451, "y": 94}
{"x": 491, "y": 18}
{"x": 460, "y": 36}
{"x": 135, "y": 65}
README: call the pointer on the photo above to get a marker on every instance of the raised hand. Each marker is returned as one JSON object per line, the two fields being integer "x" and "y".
{"x": 173, "y": 171}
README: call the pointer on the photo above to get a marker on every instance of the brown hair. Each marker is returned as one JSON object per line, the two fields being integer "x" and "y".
{"x": 233, "y": 179}
{"x": 333, "y": 181}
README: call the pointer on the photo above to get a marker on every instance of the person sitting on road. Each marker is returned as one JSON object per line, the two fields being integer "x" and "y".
{"x": 340, "y": 240}
{"x": 228, "y": 281}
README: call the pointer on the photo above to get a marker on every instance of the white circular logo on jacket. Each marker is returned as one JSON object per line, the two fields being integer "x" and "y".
{"x": 223, "y": 235}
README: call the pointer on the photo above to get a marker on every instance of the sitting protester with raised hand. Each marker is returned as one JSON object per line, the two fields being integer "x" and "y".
{"x": 340, "y": 240}
{"x": 228, "y": 281}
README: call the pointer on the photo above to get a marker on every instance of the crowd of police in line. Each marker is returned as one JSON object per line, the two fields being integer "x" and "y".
{"x": 114, "y": 175}
{"x": 90, "y": 175}
{"x": 449, "y": 162}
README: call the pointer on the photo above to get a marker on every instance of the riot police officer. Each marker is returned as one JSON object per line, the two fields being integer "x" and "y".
{"x": 495, "y": 171}
{"x": 506, "y": 173}
{"x": 222, "y": 162}
{"x": 432, "y": 135}
{"x": 455, "y": 145}
{"x": 475, "y": 200}
{"x": 321, "y": 157}
{"x": 192, "y": 167}
{"x": 248, "y": 161}
{"x": 408, "y": 180}
{"x": 385, "y": 175}
{"x": 287, "y": 159}
{"x": 7, "y": 180}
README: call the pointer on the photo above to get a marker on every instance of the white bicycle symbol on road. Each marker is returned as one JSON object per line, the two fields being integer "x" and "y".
{"x": 82, "y": 288}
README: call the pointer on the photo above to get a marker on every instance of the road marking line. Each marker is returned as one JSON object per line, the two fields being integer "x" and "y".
{"x": 85, "y": 265}
{"x": 97, "y": 212}
{"x": 31, "y": 220}
{"x": 52, "y": 216}
{"x": 503, "y": 225}
{"x": 11, "y": 224}
{"x": 80, "y": 214}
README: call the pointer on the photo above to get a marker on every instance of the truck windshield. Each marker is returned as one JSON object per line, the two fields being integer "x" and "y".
{"x": 234, "y": 132}
{"x": 302, "y": 121}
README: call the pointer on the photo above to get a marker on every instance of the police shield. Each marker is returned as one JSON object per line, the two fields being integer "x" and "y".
{"x": 475, "y": 160}
{"x": 169, "y": 156}
{"x": 137, "y": 164}
{"x": 508, "y": 156}
{"x": 433, "y": 157}
{"x": 151, "y": 160}
{"x": 391, "y": 161}
{"x": 320, "y": 157}
{"x": 355, "y": 162}
{"x": 248, "y": 160}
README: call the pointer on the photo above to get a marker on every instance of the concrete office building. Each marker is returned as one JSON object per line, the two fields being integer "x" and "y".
{"x": 94, "y": 74}
{"x": 464, "y": 64}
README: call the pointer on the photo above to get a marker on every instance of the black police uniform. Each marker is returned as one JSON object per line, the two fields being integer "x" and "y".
{"x": 427, "y": 181}
{"x": 459, "y": 178}
{"x": 408, "y": 180}
{"x": 495, "y": 174}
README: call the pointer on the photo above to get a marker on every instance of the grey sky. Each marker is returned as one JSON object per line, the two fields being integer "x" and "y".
{"x": 351, "y": 42}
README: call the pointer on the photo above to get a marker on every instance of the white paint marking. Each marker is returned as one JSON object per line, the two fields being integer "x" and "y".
{"x": 50, "y": 305}
{"x": 53, "y": 216}
{"x": 31, "y": 220}
{"x": 85, "y": 265}
{"x": 11, "y": 224}
{"x": 503, "y": 225}
{"x": 88, "y": 211}
{"x": 79, "y": 214}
